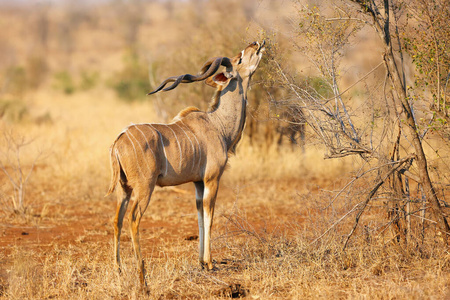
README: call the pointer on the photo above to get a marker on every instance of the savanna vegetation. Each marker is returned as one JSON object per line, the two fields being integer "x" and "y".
{"x": 339, "y": 188}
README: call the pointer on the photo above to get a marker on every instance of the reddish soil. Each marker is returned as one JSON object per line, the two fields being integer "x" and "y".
{"x": 171, "y": 216}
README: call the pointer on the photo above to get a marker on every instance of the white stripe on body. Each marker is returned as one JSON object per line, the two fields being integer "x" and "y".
{"x": 179, "y": 146}
{"x": 142, "y": 150}
{"x": 146, "y": 141}
{"x": 193, "y": 149}
{"x": 134, "y": 149}
{"x": 199, "y": 148}
{"x": 164, "y": 148}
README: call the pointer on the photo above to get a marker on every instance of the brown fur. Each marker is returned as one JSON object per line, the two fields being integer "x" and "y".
{"x": 115, "y": 169}
{"x": 219, "y": 81}
{"x": 185, "y": 112}
{"x": 215, "y": 100}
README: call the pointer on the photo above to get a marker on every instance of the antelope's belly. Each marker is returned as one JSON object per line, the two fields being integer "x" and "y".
{"x": 177, "y": 179}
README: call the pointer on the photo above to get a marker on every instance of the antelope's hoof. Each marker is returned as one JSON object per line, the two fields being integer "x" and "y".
{"x": 147, "y": 290}
{"x": 119, "y": 270}
{"x": 208, "y": 266}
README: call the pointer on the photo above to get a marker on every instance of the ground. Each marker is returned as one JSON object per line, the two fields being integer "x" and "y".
{"x": 260, "y": 249}
{"x": 168, "y": 229}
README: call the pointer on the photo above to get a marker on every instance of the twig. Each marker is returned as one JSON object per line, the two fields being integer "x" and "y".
{"x": 335, "y": 223}
{"x": 372, "y": 193}
{"x": 358, "y": 176}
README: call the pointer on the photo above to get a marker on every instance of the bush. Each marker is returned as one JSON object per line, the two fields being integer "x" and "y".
{"x": 89, "y": 80}
{"x": 321, "y": 86}
{"x": 15, "y": 79}
{"x": 37, "y": 69}
{"x": 131, "y": 83}
{"x": 18, "y": 79}
{"x": 16, "y": 169}
{"x": 13, "y": 110}
{"x": 64, "y": 82}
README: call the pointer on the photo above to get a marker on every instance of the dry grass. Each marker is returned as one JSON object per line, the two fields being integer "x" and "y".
{"x": 271, "y": 266}
{"x": 270, "y": 208}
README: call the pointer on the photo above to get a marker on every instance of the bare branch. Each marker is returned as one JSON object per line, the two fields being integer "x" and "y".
{"x": 373, "y": 191}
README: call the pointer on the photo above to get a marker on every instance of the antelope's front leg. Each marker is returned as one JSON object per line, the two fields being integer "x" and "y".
{"x": 199, "y": 189}
{"x": 209, "y": 200}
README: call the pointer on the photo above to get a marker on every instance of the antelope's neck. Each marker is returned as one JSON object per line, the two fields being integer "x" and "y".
{"x": 229, "y": 117}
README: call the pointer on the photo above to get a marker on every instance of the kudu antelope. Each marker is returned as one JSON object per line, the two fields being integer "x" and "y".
{"x": 291, "y": 124}
{"x": 193, "y": 148}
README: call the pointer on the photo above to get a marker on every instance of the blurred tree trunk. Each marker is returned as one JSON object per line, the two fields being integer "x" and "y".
{"x": 395, "y": 210}
{"x": 382, "y": 26}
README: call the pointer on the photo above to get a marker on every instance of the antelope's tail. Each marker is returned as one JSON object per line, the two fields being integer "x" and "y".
{"x": 115, "y": 170}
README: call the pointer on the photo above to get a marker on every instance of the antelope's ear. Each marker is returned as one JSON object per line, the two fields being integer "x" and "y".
{"x": 237, "y": 60}
{"x": 220, "y": 79}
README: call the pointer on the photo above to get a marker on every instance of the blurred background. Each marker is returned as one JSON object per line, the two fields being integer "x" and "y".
{"x": 126, "y": 47}
{"x": 73, "y": 74}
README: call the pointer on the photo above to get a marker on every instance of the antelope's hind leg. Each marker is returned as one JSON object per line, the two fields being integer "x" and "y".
{"x": 123, "y": 198}
{"x": 143, "y": 194}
